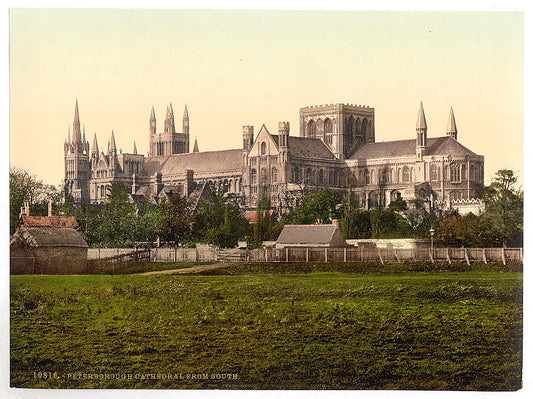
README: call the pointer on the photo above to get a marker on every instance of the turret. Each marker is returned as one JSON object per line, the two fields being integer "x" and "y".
{"x": 247, "y": 137}
{"x": 134, "y": 148}
{"x": 452, "y": 127}
{"x": 284, "y": 129}
{"x": 169, "y": 120}
{"x": 195, "y": 148}
{"x": 421, "y": 134}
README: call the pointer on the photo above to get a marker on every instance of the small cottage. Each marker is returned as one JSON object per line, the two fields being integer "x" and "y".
{"x": 47, "y": 245}
{"x": 311, "y": 235}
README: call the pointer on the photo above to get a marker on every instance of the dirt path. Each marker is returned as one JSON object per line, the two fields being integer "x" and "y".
{"x": 188, "y": 270}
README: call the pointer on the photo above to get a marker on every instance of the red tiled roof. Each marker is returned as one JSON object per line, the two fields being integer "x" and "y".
{"x": 48, "y": 221}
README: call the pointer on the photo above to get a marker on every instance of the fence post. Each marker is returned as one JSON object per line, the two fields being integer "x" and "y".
{"x": 344, "y": 254}
{"x": 307, "y": 255}
{"x": 466, "y": 257}
{"x": 431, "y": 257}
{"x": 266, "y": 254}
{"x": 484, "y": 256}
{"x": 286, "y": 254}
{"x": 326, "y": 254}
{"x": 380, "y": 258}
{"x": 503, "y": 255}
{"x": 521, "y": 254}
{"x": 361, "y": 254}
{"x": 448, "y": 256}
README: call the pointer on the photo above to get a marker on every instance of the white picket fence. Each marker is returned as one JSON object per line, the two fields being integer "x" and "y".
{"x": 319, "y": 254}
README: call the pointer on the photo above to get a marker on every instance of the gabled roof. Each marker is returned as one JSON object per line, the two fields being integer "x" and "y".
{"x": 48, "y": 221}
{"x": 51, "y": 237}
{"x": 306, "y": 147}
{"x": 311, "y": 234}
{"x": 404, "y": 148}
{"x": 199, "y": 162}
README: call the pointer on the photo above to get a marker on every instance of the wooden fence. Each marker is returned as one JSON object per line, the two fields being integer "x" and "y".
{"x": 117, "y": 261}
{"x": 316, "y": 254}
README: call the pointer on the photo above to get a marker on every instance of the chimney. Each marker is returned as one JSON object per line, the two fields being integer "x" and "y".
{"x": 50, "y": 208}
{"x": 335, "y": 222}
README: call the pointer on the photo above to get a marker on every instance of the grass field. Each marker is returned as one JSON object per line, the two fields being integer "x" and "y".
{"x": 271, "y": 327}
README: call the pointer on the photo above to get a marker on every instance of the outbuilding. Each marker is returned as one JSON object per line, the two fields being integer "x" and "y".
{"x": 311, "y": 235}
{"x": 47, "y": 245}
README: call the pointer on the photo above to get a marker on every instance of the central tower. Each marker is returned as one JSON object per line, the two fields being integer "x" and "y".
{"x": 342, "y": 127}
{"x": 169, "y": 142}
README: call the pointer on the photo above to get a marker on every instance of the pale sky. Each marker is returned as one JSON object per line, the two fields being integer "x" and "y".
{"x": 234, "y": 68}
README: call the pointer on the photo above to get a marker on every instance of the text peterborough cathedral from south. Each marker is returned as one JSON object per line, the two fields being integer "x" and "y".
{"x": 336, "y": 149}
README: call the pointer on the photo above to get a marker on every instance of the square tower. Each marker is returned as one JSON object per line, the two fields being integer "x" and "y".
{"x": 342, "y": 127}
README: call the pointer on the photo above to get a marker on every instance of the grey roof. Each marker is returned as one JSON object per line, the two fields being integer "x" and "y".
{"x": 306, "y": 147}
{"x": 401, "y": 148}
{"x": 51, "y": 237}
{"x": 320, "y": 234}
{"x": 199, "y": 162}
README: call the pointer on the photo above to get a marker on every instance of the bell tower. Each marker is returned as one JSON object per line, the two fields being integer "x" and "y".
{"x": 77, "y": 167}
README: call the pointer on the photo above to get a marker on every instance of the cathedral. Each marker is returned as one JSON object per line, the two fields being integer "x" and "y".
{"x": 336, "y": 149}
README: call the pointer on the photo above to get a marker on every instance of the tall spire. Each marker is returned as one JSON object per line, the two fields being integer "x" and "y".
{"x": 76, "y": 133}
{"x": 134, "y": 147}
{"x": 186, "y": 121}
{"x": 95, "y": 145}
{"x": 112, "y": 145}
{"x": 195, "y": 148}
{"x": 452, "y": 127}
{"x": 68, "y": 141}
{"x": 152, "y": 115}
{"x": 421, "y": 121}
{"x": 83, "y": 138}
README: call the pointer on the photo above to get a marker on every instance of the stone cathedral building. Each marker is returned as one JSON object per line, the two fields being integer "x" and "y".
{"x": 336, "y": 149}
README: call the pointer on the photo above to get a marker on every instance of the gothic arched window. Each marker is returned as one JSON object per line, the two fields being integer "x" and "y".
{"x": 274, "y": 175}
{"x": 406, "y": 174}
{"x": 455, "y": 172}
{"x": 434, "y": 173}
{"x": 263, "y": 148}
{"x": 311, "y": 128}
{"x": 253, "y": 177}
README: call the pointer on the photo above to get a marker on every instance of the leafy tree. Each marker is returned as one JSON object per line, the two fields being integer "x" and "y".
{"x": 24, "y": 187}
{"x": 504, "y": 207}
{"x": 355, "y": 222}
{"x": 147, "y": 217}
{"x": 174, "y": 219}
{"x": 398, "y": 205}
{"x": 388, "y": 224}
{"x": 317, "y": 207}
{"x": 218, "y": 223}
{"x": 117, "y": 219}
{"x": 266, "y": 227}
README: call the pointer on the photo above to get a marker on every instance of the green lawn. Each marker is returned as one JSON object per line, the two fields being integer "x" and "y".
{"x": 261, "y": 327}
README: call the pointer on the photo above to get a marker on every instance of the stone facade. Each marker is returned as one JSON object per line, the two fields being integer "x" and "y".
{"x": 336, "y": 149}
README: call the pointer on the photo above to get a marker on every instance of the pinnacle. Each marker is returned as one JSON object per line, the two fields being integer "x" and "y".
{"x": 152, "y": 115}
{"x": 452, "y": 127}
{"x": 421, "y": 121}
{"x": 76, "y": 113}
{"x": 95, "y": 145}
{"x": 186, "y": 113}
{"x": 112, "y": 145}
{"x": 134, "y": 147}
